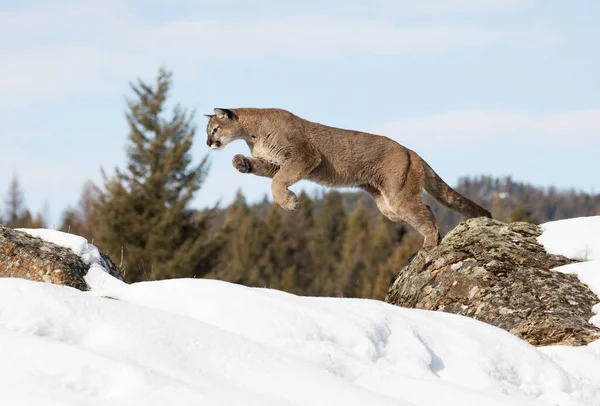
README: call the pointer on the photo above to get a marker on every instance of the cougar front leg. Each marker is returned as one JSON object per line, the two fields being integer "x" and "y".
{"x": 255, "y": 166}
{"x": 289, "y": 173}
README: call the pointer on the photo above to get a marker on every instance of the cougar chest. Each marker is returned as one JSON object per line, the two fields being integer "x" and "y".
{"x": 266, "y": 152}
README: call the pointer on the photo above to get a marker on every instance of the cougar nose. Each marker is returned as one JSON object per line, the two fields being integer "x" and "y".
{"x": 209, "y": 141}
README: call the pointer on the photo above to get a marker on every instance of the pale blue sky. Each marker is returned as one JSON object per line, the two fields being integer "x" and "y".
{"x": 500, "y": 87}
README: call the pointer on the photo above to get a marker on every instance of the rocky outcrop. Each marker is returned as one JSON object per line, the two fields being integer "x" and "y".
{"x": 498, "y": 273}
{"x": 24, "y": 256}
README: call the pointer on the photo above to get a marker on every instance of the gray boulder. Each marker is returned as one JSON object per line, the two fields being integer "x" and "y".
{"x": 499, "y": 274}
{"x": 24, "y": 256}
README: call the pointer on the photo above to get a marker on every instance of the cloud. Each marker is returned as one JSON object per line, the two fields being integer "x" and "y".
{"x": 382, "y": 7}
{"x": 73, "y": 23}
{"x": 51, "y": 73}
{"x": 442, "y": 7}
{"x": 322, "y": 37}
{"x": 477, "y": 127}
{"x": 89, "y": 49}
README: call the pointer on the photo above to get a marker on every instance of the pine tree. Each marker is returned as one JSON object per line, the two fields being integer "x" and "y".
{"x": 521, "y": 213}
{"x": 325, "y": 244}
{"x": 71, "y": 221}
{"x": 276, "y": 262}
{"x": 26, "y": 220}
{"x": 353, "y": 267}
{"x": 245, "y": 245}
{"x": 144, "y": 210}
{"x": 241, "y": 248}
{"x": 300, "y": 224}
{"x": 17, "y": 215}
{"x": 237, "y": 210}
{"x": 410, "y": 244}
{"x": 14, "y": 204}
{"x": 385, "y": 238}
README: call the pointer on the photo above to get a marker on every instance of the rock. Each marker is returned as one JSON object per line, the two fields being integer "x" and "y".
{"x": 110, "y": 266}
{"x": 499, "y": 274}
{"x": 24, "y": 256}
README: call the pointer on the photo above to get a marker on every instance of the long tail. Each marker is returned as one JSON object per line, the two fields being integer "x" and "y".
{"x": 449, "y": 197}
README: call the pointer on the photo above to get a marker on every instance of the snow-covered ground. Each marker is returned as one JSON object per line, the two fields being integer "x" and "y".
{"x": 206, "y": 342}
{"x": 577, "y": 238}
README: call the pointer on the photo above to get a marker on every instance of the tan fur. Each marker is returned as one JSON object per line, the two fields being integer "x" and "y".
{"x": 288, "y": 148}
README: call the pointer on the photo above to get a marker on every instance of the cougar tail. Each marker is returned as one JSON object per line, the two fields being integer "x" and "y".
{"x": 449, "y": 197}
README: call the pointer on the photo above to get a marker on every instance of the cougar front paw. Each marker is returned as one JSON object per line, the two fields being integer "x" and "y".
{"x": 241, "y": 163}
{"x": 290, "y": 202}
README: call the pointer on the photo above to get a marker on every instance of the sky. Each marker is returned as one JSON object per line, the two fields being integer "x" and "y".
{"x": 494, "y": 87}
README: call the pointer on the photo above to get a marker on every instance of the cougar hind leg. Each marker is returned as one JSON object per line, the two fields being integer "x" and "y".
{"x": 405, "y": 200}
{"x": 410, "y": 210}
{"x": 418, "y": 215}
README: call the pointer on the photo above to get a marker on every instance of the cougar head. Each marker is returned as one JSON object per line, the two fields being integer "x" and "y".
{"x": 222, "y": 128}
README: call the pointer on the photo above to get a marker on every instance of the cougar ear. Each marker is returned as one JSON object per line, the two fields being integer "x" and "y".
{"x": 209, "y": 116}
{"x": 225, "y": 113}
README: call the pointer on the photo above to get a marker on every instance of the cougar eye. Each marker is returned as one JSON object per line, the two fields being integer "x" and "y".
{"x": 214, "y": 130}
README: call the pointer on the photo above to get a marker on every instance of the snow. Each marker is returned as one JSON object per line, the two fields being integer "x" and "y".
{"x": 97, "y": 277}
{"x": 89, "y": 253}
{"x": 192, "y": 341}
{"x": 200, "y": 342}
{"x": 578, "y": 239}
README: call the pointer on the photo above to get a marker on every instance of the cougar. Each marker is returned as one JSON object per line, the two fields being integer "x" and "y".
{"x": 287, "y": 148}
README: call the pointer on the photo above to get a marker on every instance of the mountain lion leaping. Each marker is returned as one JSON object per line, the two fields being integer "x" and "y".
{"x": 288, "y": 148}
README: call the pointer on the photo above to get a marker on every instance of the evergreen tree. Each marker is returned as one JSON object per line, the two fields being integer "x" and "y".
{"x": 143, "y": 210}
{"x": 238, "y": 209}
{"x": 71, "y": 221}
{"x": 246, "y": 246}
{"x": 385, "y": 238}
{"x": 325, "y": 244}
{"x": 305, "y": 211}
{"x": 353, "y": 267}
{"x": 410, "y": 244}
{"x": 14, "y": 204}
{"x": 26, "y": 220}
{"x": 263, "y": 207}
{"x": 277, "y": 254}
{"x": 521, "y": 213}
{"x": 241, "y": 251}
{"x": 17, "y": 215}
{"x": 300, "y": 224}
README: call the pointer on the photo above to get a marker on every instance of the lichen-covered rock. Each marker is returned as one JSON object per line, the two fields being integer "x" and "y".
{"x": 498, "y": 273}
{"x": 24, "y": 256}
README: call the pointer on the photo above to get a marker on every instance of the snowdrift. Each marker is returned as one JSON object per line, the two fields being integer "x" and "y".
{"x": 199, "y": 342}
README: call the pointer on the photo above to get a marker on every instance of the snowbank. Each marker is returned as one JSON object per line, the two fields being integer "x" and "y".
{"x": 202, "y": 341}
{"x": 198, "y": 342}
{"x": 579, "y": 239}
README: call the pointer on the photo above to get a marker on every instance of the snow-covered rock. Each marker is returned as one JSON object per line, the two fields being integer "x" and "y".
{"x": 50, "y": 256}
{"x": 502, "y": 274}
